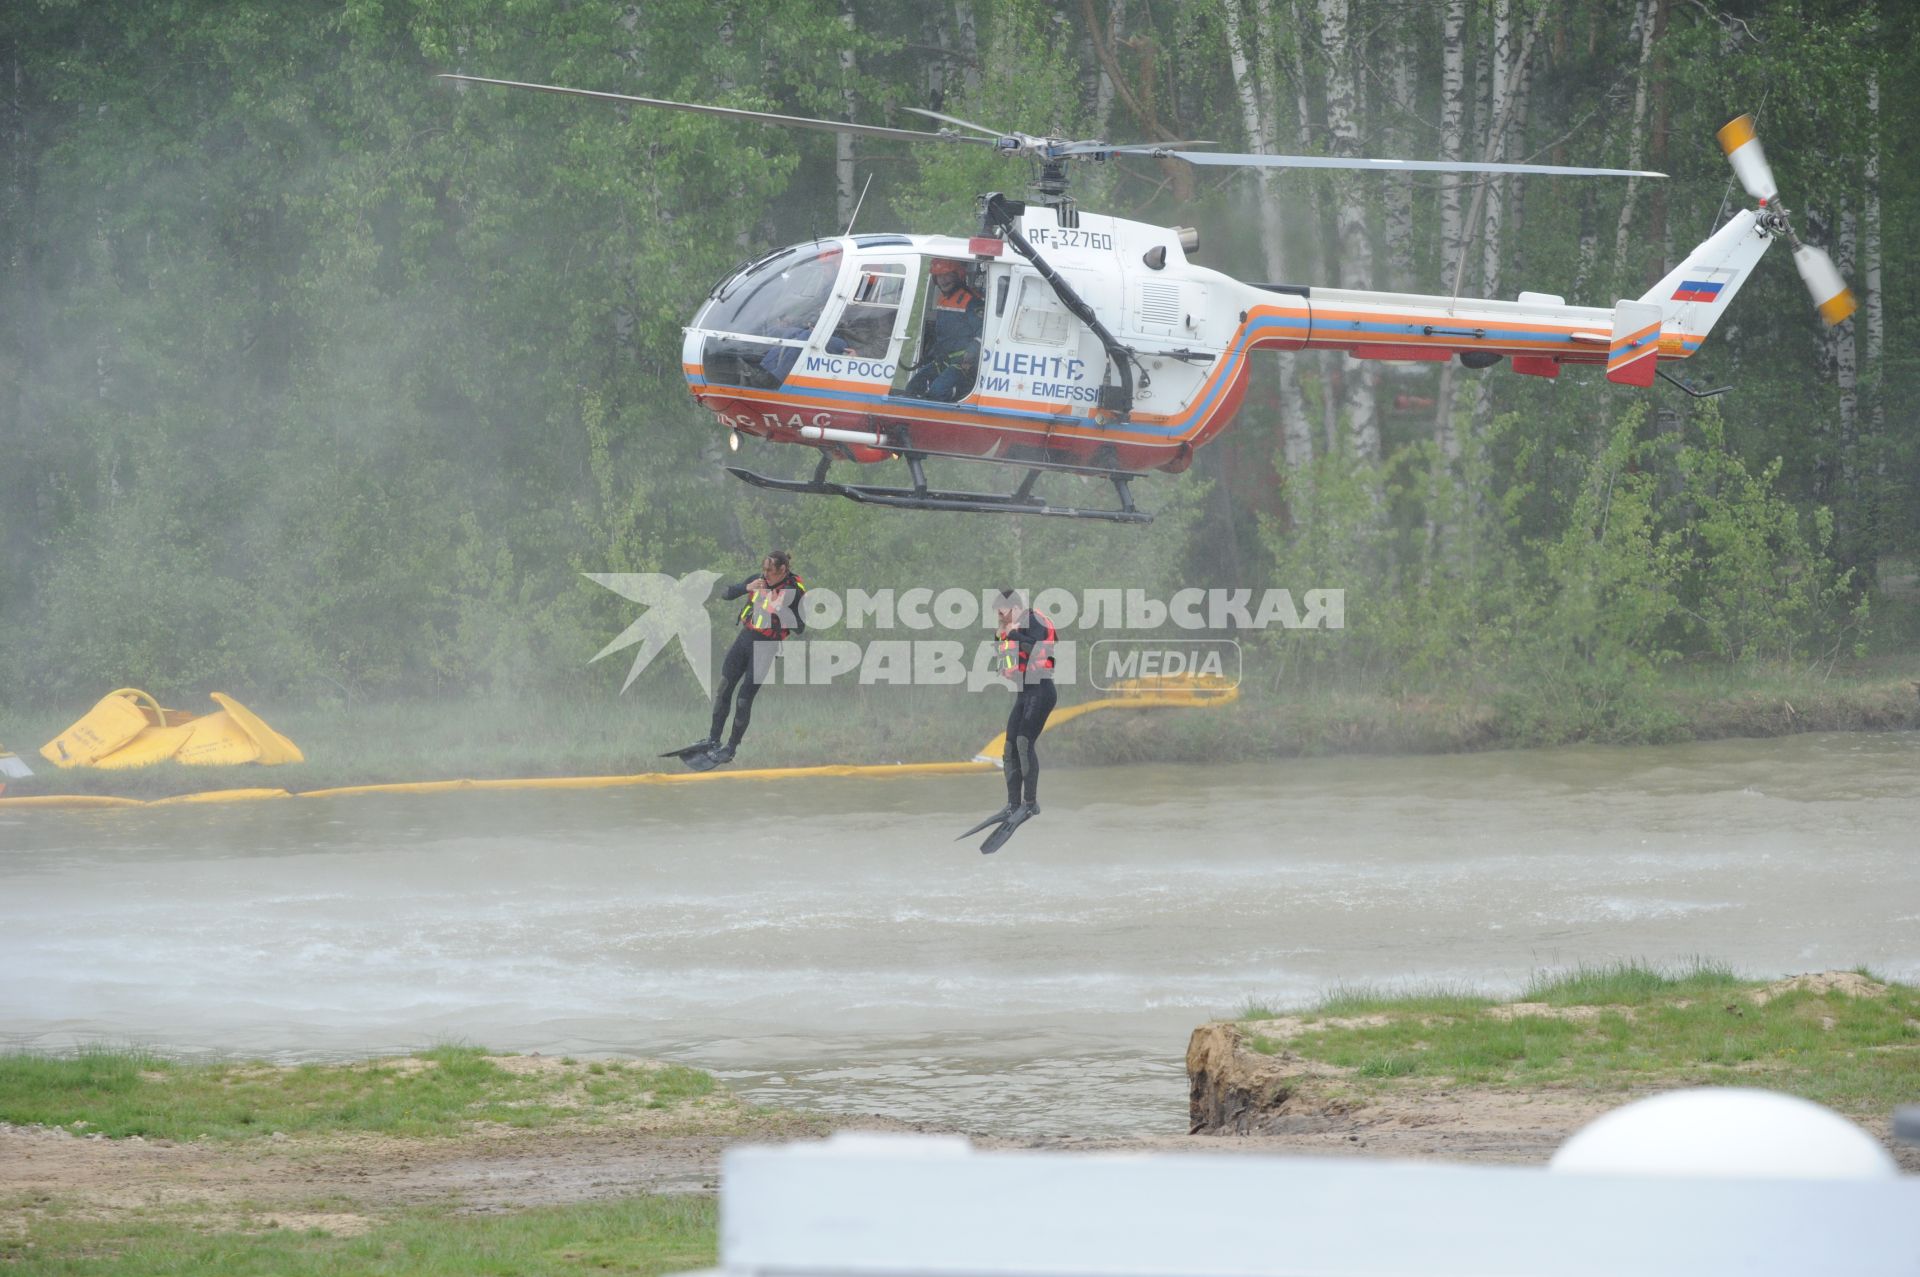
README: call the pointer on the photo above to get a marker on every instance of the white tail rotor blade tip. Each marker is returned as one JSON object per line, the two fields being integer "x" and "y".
{"x": 1742, "y": 146}
{"x": 1831, "y": 296}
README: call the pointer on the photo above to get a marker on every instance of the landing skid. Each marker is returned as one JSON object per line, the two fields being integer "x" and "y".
{"x": 921, "y": 497}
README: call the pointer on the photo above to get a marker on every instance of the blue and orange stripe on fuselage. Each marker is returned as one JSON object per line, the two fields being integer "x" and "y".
{"x": 1145, "y": 440}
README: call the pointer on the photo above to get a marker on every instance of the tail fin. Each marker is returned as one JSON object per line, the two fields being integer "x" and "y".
{"x": 1697, "y": 292}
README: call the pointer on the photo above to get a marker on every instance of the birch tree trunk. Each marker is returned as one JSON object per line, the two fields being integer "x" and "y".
{"x": 1453, "y": 249}
{"x": 1359, "y": 380}
{"x": 1875, "y": 319}
{"x": 1637, "y": 134}
{"x": 967, "y": 35}
{"x": 1500, "y": 65}
{"x": 1259, "y": 114}
{"x": 1846, "y": 365}
{"x": 1657, "y": 229}
{"x": 1403, "y": 45}
{"x": 934, "y": 34}
{"x": 1103, "y": 94}
{"x": 845, "y": 191}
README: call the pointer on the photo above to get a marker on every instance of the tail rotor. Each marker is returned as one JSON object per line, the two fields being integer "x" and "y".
{"x": 1831, "y": 296}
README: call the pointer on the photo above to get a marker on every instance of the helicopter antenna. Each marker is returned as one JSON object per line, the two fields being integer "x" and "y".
{"x": 857, "y": 203}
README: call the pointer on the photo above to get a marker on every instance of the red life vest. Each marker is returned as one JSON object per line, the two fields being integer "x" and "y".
{"x": 764, "y": 606}
{"x": 1013, "y": 663}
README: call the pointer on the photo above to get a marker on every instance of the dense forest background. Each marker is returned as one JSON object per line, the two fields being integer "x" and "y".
{"x": 322, "y": 378}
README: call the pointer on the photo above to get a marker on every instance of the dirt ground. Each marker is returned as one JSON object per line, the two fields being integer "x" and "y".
{"x": 342, "y": 1183}
{"x": 345, "y": 1183}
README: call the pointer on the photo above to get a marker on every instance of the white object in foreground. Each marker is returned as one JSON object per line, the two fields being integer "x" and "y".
{"x": 898, "y": 1205}
{"x": 1727, "y": 1131}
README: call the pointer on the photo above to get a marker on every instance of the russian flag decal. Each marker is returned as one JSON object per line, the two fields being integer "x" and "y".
{"x": 1697, "y": 290}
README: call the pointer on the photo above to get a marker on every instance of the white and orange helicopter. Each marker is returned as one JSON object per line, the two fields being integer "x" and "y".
{"x": 1103, "y": 349}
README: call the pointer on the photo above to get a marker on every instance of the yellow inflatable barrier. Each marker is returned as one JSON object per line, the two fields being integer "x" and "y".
{"x": 129, "y": 728}
{"x": 1185, "y": 692}
{"x": 1177, "y": 691}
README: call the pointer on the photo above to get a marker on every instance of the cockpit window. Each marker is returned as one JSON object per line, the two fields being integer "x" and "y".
{"x": 778, "y": 296}
{"x": 866, "y": 326}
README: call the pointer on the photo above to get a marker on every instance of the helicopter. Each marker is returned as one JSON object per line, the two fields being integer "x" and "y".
{"x": 1104, "y": 349}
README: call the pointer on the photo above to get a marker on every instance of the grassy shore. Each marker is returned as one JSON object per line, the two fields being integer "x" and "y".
{"x": 122, "y": 1163}
{"x": 641, "y": 1236}
{"x": 1851, "y": 1041}
{"x": 263, "y": 1130}
{"x": 445, "y": 1091}
{"x": 557, "y": 736}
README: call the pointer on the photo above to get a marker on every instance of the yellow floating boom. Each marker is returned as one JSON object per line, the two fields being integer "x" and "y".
{"x": 1167, "y": 693}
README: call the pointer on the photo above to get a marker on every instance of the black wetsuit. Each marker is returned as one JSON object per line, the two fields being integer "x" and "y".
{"x": 750, "y": 660}
{"x": 1034, "y": 699}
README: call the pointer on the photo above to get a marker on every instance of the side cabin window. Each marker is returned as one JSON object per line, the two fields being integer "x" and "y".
{"x": 1040, "y": 319}
{"x": 866, "y": 326}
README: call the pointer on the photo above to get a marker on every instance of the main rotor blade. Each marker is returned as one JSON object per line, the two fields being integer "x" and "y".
{"x": 734, "y": 113}
{"x": 995, "y": 134}
{"x": 1390, "y": 166}
{"x": 1129, "y": 148}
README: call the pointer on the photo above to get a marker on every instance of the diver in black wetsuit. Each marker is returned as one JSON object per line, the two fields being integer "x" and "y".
{"x": 1026, "y": 641}
{"x": 771, "y": 614}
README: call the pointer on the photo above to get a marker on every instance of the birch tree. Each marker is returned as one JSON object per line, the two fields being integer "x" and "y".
{"x": 1258, "y": 113}
{"x": 1637, "y": 133}
{"x": 1453, "y": 248}
{"x": 1359, "y": 381}
{"x": 846, "y": 193}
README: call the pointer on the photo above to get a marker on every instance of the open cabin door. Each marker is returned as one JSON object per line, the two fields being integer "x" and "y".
{"x": 939, "y": 360}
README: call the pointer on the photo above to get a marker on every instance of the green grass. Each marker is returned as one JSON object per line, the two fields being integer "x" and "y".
{"x": 645, "y": 1235}
{"x": 437, "y": 1092}
{"x": 1631, "y": 983}
{"x": 1645, "y": 1027}
{"x": 1362, "y": 999}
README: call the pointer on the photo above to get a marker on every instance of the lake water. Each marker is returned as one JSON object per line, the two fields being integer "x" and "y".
{"x": 826, "y": 944}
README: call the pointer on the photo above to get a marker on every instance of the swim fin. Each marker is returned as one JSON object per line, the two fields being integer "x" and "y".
{"x": 698, "y": 747}
{"x": 700, "y": 762}
{"x": 998, "y": 817}
{"x": 999, "y": 837}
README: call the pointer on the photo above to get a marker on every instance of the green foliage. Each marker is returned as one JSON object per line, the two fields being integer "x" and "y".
{"x": 1560, "y": 573}
{"x": 319, "y": 377}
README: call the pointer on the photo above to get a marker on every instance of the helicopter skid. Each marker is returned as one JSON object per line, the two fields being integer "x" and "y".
{"x": 921, "y": 497}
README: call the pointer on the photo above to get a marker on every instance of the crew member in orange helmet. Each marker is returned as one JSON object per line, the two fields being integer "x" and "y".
{"x": 951, "y": 358}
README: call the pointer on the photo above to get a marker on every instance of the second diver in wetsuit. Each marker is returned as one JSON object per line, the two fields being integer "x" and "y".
{"x": 1024, "y": 656}
{"x": 770, "y": 616}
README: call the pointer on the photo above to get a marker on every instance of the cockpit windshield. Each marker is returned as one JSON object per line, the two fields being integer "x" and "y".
{"x": 781, "y": 295}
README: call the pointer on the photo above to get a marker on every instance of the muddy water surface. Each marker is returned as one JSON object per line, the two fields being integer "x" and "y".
{"x": 827, "y": 944}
